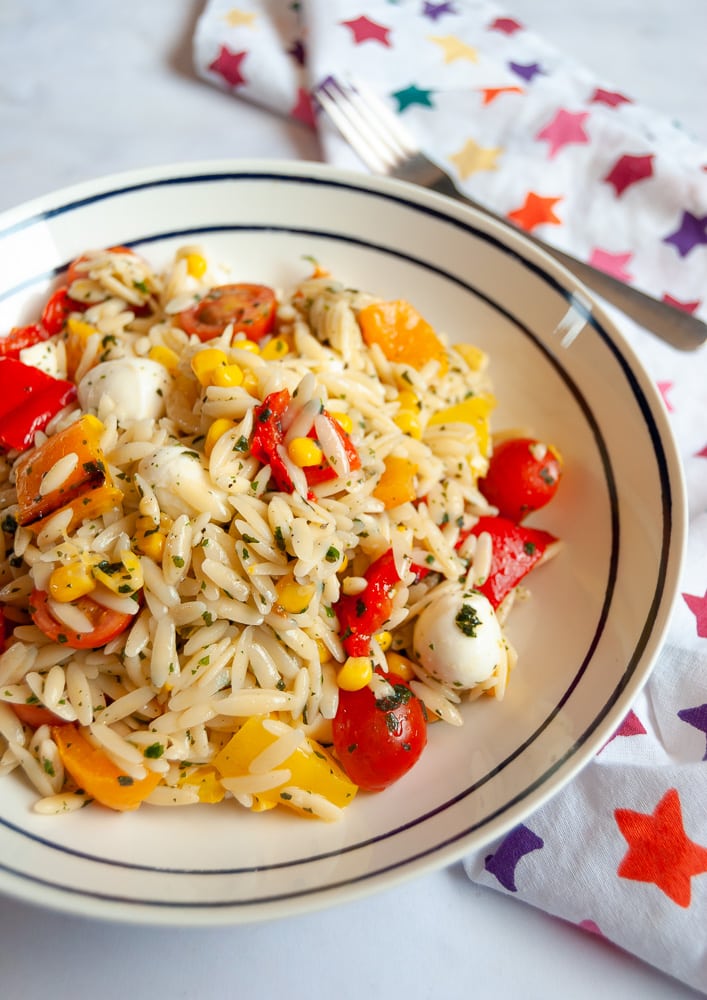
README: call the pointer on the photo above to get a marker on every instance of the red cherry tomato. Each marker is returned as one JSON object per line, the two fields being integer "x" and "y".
{"x": 523, "y": 476}
{"x": 377, "y": 742}
{"x": 251, "y": 309}
{"x": 106, "y": 623}
{"x": 20, "y": 337}
{"x": 36, "y": 716}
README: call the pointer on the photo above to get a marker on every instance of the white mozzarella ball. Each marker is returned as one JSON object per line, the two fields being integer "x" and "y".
{"x": 130, "y": 388}
{"x": 182, "y": 485}
{"x": 458, "y": 640}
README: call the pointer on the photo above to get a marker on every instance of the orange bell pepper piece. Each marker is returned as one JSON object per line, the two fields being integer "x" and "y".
{"x": 402, "y": 334}
{"x": 397, "y": 484}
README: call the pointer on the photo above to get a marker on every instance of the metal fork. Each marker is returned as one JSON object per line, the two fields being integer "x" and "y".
{"x": 386, "y": 148}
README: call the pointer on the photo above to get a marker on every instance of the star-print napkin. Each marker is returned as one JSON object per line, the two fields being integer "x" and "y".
{"x": 622, "y": 850}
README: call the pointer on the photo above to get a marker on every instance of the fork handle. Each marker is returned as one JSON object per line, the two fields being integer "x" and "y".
{"x": 678, "y": 328}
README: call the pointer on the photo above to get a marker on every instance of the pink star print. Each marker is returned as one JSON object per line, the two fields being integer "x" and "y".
{"x": 664, "y": 388}
{"x": 364, "y": 29}
{"x": 506, "y": 25}
{"x": 565, "y": 128}
{"x": 303, "y": 110}
{"x": 612, "y": 263}
{"x": 228, "y": 65}
{"x": 629, "y": 170}
{"x": 688, "y": 307}
{"x": 698, "y": 606}
{"x": 609, "y": 97}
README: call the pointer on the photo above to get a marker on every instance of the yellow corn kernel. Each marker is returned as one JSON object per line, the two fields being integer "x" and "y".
{"x": 409, "y": 423}
{"x": 384, "y": 640}
{"x": 243, "y": 344}
{"x": 164, "y": 356}
{"x": 204, "y": 363}
{"x": 304, "y": 452}
{"x": 227, "y": 376}
{"x": 250, "y": 383}
{"x": 474, "y": 356}
{"x": 293, "y": 597}
{"x": 218, "y": 428}
{"x": 121, "y": 578}
{"x": 67, "y": 583}
{"x": 400, "y": 666}
{"x": 151, "y": 544}
{"x": 343, "y": 420}
{"x": 344, "y": 564}
{"x": 274, "y": 349}
{"x": 355, "y": 674}
{"x": 196, "y": 265}
{"x": 408, "y": 400}
{"x": 323, "y": 650}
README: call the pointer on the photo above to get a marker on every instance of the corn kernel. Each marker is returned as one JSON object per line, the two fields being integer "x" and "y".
{"x": 355, "y": 674}
{"x": 323, "y": 651}
{"x": 400, "y": 666}
{"x": 67, "y": 583}
{"x": 243, "y": 344}
{"x": 196, "y": 265}
{"x": 343, "y": 420}
{"x": 304, "y": 452}
{"x": 203, "y": 363}
{"x": 250, "y": 383}
{"x": 275, "y": 348}
{"x": 164, "y": 356}
{"x": 408, "y": 400}
{"x": 344, "y": 564}
{"x": 384, "y": 639}
{"x": 293, "y": 597}
{"x": 227, "y": 376}
{"x": 218, "y": 428}
{"x": 409, "y": 423}
{"x": 151, "y": 544}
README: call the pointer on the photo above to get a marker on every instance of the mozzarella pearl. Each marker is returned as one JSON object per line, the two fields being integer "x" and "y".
{"x": 458, "y": 640}
{"x": 182, "y": 485}
{"x": 130, "y": 388}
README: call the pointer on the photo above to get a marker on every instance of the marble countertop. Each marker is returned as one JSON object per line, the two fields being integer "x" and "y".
{"x": 89, "y": 89}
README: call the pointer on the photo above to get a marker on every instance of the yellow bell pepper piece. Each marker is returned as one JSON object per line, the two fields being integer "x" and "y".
{"x": 475, "y": 411}
{"x": 207, "y": 783}
{"x": 312, "y": 769}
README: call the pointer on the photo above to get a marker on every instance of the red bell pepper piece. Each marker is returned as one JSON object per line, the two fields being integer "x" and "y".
{"x": 362, "y": 615}
{"x": 20, "y": 337}
{"x": 268, "y": 437}
{"x": 29, "y": 398}
{"x": 56, "y": 311}
{"x": 324, "y": 472}
{"x": 516, "y": 549}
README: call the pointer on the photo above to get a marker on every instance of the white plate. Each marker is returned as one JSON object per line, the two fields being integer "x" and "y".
{"x": 587, "y": 638}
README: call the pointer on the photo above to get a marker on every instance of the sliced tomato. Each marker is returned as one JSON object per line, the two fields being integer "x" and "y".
{"x": 21, "y": 337}
{"x": 36, "y": 715}
{"x": 523, "y": 476}
{"x": 251, "y": 309}
{"x": 377, "y": 742}
{"x": 106, "y": 623}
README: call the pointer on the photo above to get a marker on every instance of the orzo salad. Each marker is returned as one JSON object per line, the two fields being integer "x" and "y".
{"x": 254, "y": 542}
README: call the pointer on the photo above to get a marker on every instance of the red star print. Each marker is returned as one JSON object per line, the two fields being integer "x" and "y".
{"x": 228, "y": 65}
{"x": 364, "y": 29}
{"x": 631, "y": 726}
{"x": 698, "y": 606}
{"x": 664, "y": 388}
{"x": 659, "y": 850}
{"x": 535, "y": 211}
{"x": 609, "y": 97}
{"x": 702, "y": 453}
{"x": 303, "y": 110}
{"x": 688, "y": 307}
{"x": 612, "y": 263}
{"x": 506, "y": 25}
{"x": 490, "y": 94}
{"x": 629, "y": 170}
{"x": 566, "y": 127}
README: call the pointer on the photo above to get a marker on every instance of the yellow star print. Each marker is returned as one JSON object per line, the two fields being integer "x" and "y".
{"x": 239, "y": 18}
{"x": 472, "y": 158}
{"x": 454, "y": 48}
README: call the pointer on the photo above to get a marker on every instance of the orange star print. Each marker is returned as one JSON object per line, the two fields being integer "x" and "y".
{"x": 534, "y": 212}
{"x": 659, "y": 850}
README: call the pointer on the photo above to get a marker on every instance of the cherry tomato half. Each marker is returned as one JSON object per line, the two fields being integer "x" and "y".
{"x": 523, "y": 476}
{"x": 251, "y": 309}
{"x": 377, "y": 742}
{"x": 107, "y": 624}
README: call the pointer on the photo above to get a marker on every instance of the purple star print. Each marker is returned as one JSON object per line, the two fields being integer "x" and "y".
{"x": 526, "y": 72}
{"x": 435, "y": 10}
{"x": 696, "y": 717}
{"x": 502, "y": 863}
{"x": 691, "y": 232}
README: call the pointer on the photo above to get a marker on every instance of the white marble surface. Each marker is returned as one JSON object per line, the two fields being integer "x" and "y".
{"x": 91, "y": 88}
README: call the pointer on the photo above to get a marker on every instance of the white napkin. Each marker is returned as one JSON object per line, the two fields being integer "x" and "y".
{"x": 622, "y": 850}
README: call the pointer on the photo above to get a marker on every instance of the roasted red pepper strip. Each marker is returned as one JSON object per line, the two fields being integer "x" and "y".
{"x": 324, "y": 472}
{"x": 20, "y": 337}
{"x": 56, "y": 311}
{"x": 268, "y": 437}
{"x": 362, "y": 615}
{"x": 28, "y": 400}
{"x": 516, "y": 549}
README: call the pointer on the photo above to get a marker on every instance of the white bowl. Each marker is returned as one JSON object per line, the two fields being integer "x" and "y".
{"x": 587, "y": 639}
